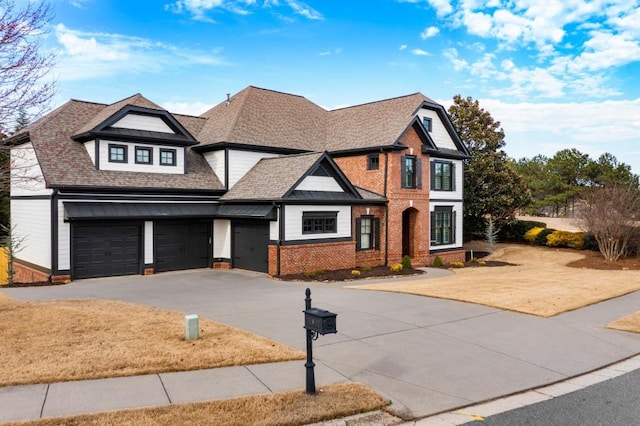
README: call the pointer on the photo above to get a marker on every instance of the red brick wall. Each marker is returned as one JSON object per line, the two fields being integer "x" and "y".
{"x": 302, "y": 258}
{"x": 25, "y": 274}
{"x": 447, "y": 257}
{"x": 355, "y": 168}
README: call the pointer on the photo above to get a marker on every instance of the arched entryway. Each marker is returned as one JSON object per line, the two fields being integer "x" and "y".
{"x": 408, "y": 231}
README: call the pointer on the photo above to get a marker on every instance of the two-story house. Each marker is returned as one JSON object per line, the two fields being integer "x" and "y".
{"x": 265, "y": 181}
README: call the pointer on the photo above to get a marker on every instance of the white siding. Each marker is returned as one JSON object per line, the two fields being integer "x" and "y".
{"x": 457, "y": 207}
{"x": 449, "y": 195}
{"x": 319, "y": 183}
{"x": 439, "y": 133}
{"x": 90, "y": 146}
{"x": 274, "y": 229}
{"x": 131, "y": 166}
{"x": 293, "y": 222}
{"x": 216, "y": 162}
{"x": 31, "y": 220}
{"x": 240, "y": 162}
{"x": 222, "y": 239}
{"x": 26, "y": 175}
{"x": 143, "y": 122}
{"x": 64, "y": 240}
{"x": 148, "y": 242}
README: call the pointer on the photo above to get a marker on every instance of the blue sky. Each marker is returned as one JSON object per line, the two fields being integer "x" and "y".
{"x": 556, "y": 73}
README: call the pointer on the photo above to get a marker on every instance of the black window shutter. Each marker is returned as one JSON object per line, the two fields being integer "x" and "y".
{"x": 419, "y": 173}
{"x": 432, "y": 174}
{"x": 376, "y": 232}
{"x": 453, "y": 227}
{"x": 453, "y": 176}
{"x": 403, "y": 171}
{"x": 358, "y": 246}
{"x": 433, "y": 227}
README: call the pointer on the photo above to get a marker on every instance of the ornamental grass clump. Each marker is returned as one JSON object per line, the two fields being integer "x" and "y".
{"x": 437, "y": 262}
{"x": 355, "y": 273}
{"x": 456, "y": 264}
{"x": 406, "y": 262}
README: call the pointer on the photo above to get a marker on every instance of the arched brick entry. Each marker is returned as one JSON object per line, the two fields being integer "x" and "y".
{"x": 408, "y": 231}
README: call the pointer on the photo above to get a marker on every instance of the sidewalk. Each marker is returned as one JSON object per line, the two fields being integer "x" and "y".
{"x": 31, "y": 402}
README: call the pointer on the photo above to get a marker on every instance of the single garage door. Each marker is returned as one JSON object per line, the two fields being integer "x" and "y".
{"x": 106, "y": 249}
{"x": 251, "y": 245}
{"x": 182, "y": 245}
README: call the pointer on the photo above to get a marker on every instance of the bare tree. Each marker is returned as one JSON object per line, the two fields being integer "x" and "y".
{"x": 610, "y": 213}
{"x": 13, "y": 244}
{"x": 23, "y": 67}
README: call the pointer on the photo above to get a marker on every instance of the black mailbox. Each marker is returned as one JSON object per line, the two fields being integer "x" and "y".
{"x": 320, "y": 321}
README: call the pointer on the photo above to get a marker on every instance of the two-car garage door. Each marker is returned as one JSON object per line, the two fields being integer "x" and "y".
{"x": 115, "y": 248}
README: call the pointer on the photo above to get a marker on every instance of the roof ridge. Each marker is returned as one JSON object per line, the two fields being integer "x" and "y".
{"x": 279, "y": 92}
{"x": 379, "y": 101}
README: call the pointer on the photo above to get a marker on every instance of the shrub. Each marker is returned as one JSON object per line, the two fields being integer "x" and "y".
{"x": 355, "y": 273}
{"x": 406, "y": 262}
{"x": 437, "y": 262}
{"x": 541, "y": 238}
{"x": 589, "y": 242}
{"x": 366, "y": 269}
{"x": 396, "y": 267}
{"x": 566, "y": 239}
{"x": 456, "y": 264}
{"x": 515, "y": 231}
{"x": 531, "y": 234}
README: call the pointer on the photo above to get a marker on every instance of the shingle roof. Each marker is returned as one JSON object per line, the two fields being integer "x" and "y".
{"x": 263, "y": 117}
{"x": 65, "y": 162}
{"x": 271, "y": 178}
{"x": 268, "y": 118}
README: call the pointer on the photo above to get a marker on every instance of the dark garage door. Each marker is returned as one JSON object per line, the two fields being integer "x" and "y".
{"x": 251, "y": 245}
{"x": 105, "y": 250}
{"x": 182, "y": 245}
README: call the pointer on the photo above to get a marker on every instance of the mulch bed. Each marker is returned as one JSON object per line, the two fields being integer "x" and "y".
{"x": 38, "y": 284}
{"x": 345, "y": 274}
{"x": 594, "y": 260}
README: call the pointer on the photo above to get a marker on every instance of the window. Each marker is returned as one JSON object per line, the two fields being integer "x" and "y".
{"x": 144, "y": 155}
{"x": 442, "y": 176}
{"x": 319, "y": 222}
{"x": 443, "y": 226}
{"x": 373, "y": 162}
{"x": 428, "y": 123}
{"x": 411, "y": 172}
{"x": 117, "y": 153}
{"x": 367, "y": 233}
{"x": 167, "y": 157}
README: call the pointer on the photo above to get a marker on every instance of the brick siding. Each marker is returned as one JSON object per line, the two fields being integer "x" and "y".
{"x": 302, "y": 258}
{"x": 25, "y": 274}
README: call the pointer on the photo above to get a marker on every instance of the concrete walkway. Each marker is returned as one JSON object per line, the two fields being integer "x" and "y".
{"x": 426, "y": 355}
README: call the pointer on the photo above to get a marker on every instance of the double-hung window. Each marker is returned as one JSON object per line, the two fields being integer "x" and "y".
{"x": 442, "y": 176}
{"x": 373, "y": 162}
{"x": 443, "y": 226}
{"x": 367, "y": 233}
{"x": 319, "y": 222}
{"x": 428, "y": 124}
{"x": 411, "y": 172}
{"x": 117, "y": 153}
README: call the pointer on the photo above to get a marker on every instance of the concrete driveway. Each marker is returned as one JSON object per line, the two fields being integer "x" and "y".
{"x": 426, "y": 355}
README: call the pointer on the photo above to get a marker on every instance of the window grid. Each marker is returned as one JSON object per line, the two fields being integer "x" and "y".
{"x": 443, "y": 227}
{"x": 143, "y": 155}
{"x": 117, "y": 153}
{"x": 319, "y": 222}
{"x": 366, "y": 233}
{"x": 443, "y": 179}
{"x": 410, "y": 172}
{"x": 168, "y": 157}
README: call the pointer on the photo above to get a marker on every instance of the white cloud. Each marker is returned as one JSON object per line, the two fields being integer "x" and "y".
{"x": 91, "y": 54}
{"x": 429, "y": 32}
{"x": 199, "y": 8}
{"x": 403, "y": 47}
{"x": 188, "y": 108}
{"x": 420, "y": 52}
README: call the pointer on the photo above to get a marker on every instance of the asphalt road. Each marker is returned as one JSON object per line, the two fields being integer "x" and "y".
{"x": 614, "y": 402}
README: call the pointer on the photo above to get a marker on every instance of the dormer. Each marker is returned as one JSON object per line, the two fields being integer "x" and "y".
{"x": 137, "y": 139}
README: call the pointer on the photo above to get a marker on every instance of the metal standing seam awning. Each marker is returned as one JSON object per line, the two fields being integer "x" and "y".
{"x": 103, "y": 210}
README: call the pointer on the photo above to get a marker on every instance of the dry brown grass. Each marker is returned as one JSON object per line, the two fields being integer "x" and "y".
{"x": 628, "y": 323}
{"x": 541, "y": 284}
{"x": 287, "y": 408}
{"x": 45, "y": 342}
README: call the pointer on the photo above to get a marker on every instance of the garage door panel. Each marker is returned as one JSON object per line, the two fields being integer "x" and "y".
{"x": 182, "y": 245}
{"x": 251, "y": 245}
{"x": 107, "y": 249}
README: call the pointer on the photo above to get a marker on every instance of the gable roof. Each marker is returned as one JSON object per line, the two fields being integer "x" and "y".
{"x": 275, "y": 179}
{"x": 66, "y": 163}
{"x": 267, "y": 118}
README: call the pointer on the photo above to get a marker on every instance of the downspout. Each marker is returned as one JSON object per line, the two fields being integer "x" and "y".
{"x": 54, "y": 233}
{"x": 386, "y": 210}
{"x": 280, "y": 237}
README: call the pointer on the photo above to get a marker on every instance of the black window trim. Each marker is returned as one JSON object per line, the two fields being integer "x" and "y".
{"x": 125, "y": 149}
{"x": 375, "y": 233}
{"x": 144, "y": 148}
{"x": 373, "y": 162}
{"x": 329, "y": 221}
{"x": 168, "y": 150}
{"x": 416, "y": 182}
{"x": 452, "y": 214}
{"x": 452, "y": 176}
{"x": 428, "y": 123}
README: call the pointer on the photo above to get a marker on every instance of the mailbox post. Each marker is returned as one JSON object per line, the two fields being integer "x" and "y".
{"x": 316, "y": 322}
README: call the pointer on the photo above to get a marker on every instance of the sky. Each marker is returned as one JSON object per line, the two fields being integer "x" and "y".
{"x": 556, "y": 73}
